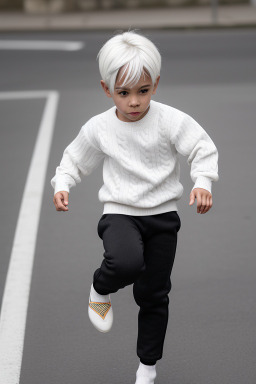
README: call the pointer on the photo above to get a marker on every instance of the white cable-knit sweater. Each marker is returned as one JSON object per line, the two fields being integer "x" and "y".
{"x": 140, "y": 169}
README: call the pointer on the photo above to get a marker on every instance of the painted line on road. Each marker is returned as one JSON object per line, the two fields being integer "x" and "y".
{"x": 39, "y": 45}
{"x": 16, "y": 292}
{"x": 19, "y": 95}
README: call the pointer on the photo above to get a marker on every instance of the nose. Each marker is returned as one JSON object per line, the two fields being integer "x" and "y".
{"x": 134, "y": 101}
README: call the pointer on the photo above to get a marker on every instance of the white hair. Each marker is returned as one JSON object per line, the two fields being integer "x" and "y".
{"x": 135, "y": 53}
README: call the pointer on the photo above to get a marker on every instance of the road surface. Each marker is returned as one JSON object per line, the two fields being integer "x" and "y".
{"x": 211, "y": 335}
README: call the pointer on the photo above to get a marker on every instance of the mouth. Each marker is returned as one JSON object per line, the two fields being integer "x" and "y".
{"x": 134, "y": 113}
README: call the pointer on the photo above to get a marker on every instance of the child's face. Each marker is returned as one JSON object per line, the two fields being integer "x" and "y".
{"x": 132, "y": 103}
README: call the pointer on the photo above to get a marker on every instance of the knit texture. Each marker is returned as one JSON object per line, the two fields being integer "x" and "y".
{"x": 141, "y": 170}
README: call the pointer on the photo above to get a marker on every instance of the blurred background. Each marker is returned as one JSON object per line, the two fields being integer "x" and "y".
{"x": 34, "y": 6}
{"x": 109, "y": 14}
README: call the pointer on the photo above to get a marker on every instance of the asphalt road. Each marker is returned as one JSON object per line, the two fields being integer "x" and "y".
{"x": 211, "y": 336}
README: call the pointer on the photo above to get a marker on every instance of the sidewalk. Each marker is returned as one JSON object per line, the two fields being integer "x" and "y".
{"x": 162, "y": 18}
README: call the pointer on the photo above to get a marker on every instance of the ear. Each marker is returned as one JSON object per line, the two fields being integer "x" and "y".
{"x": 105, "y": 88}
{"x": 156, "y": 85}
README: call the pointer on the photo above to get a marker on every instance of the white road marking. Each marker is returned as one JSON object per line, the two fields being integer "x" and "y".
{"x": 23, "y": 95}
{"x": 16, "y": 293}
{"x": 41, "y": 45}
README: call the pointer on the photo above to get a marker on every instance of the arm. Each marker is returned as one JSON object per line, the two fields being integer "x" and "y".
{"x": 191, "y": 140}
{"x": 80, "y": 158}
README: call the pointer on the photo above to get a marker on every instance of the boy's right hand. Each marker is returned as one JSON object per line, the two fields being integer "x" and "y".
{"x": 61, "y": 201}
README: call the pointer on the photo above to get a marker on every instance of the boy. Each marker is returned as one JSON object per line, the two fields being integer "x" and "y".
{"x": 138, "y": 139}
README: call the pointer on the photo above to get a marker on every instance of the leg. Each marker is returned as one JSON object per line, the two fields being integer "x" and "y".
{"x": 123, "y": 256}
{"x": 152, "y": 287}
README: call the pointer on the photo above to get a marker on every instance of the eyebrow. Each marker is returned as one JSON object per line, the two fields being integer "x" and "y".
{"x": 143, "y": 86}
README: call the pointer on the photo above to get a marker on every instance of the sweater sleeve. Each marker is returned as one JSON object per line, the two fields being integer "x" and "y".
{"x": 191, "y": 140}
{"x": 79, "y": 159}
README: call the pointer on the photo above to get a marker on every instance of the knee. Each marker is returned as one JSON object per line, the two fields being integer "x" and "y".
{"x": 129, "y": 266}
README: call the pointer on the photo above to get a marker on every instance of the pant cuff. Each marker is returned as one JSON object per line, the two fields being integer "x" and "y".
{"x": 146, "y": 362}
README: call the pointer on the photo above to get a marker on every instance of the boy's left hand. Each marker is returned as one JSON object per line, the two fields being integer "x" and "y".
{"x": 204, "y": 199}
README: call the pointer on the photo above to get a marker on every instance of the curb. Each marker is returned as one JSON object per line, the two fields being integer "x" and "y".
{"x": 228, "y": 17}
{"x": 107, "y": 30}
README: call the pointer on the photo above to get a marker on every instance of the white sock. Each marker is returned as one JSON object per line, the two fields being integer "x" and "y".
{"x": 95, "y": 296}
{"x": 145, "y": 374}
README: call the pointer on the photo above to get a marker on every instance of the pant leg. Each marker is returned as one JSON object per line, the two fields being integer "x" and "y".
{"x": 152, "y": 287}
{"x": 123, "y": 257}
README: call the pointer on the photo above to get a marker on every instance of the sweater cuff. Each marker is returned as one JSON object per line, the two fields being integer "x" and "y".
{"x": 203, "y": 182}
{"x": 60, "y": 187}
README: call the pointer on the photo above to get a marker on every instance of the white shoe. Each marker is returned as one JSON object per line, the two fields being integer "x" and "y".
{"x": 101, "y": 314}
{"x": 146, "y": 374}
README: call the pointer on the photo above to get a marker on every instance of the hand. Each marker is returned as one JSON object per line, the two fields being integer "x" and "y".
{"x": 204, "y": 199}
{"x": 61, "y": 201}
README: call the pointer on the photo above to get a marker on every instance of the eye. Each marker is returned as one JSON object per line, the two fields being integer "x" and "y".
{"x": 123, "y": 93}
{"x": 144, "y": 90}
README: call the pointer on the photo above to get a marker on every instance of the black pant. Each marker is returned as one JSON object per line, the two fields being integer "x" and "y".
{"x": 140, "y": 250}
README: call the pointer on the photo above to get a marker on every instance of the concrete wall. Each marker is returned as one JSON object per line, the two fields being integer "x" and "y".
{"x": 58, "y": 6}
{"x": 11, "y": 4}
{"x": 49, "y": 6}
